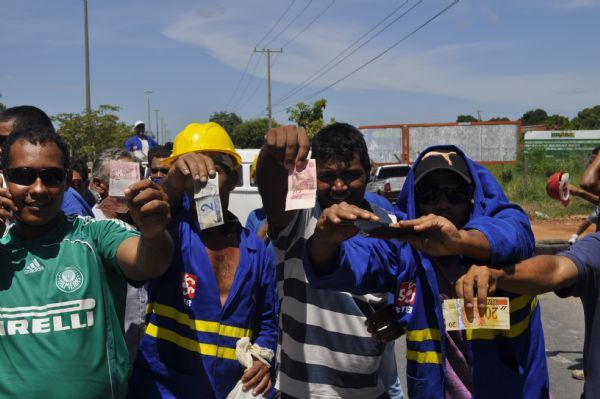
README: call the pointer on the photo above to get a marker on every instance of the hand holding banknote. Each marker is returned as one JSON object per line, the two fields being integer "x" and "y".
{"x": 191, "y": 168}
{"x": 187, "y": 170}
{"x": 496, "y": 315}
{"x": 476, "y": 284}
{"x": 289, "y": 145}
{"x": 149, "y": 208}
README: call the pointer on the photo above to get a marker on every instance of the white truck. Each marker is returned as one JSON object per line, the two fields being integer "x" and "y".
{"x": 387, "y": 180}
{"x": 245, "y": 197}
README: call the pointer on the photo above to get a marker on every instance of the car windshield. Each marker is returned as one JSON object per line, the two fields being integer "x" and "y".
{"x": 395, "y": 171}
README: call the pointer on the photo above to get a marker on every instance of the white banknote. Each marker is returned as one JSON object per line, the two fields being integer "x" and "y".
{"x": 208, "y": 203}
{"x": 302, "y": 186}
{"x": 122, "y": 175}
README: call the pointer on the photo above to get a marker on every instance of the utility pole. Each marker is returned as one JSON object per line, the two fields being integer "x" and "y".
{"x": 269, "y": 51}
{"x": 479, "y": 115}
{"x": 88, "y": 102}
{"x": 157, "y": 130}
{"x": 148, "y": 92}
{"x": 162, "y": 130}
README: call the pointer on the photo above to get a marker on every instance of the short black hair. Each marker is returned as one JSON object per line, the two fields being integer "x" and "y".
{"x": 338, "y": 142}
{"x": 25, "y": 116}
{"x": 158, "y": 151}
{"x": 38, "y": 135}
{"x": 80, "y": 167}
{"x": 596, "y": 150}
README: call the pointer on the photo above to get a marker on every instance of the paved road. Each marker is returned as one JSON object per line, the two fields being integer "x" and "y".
{"x": 563, "y": 329}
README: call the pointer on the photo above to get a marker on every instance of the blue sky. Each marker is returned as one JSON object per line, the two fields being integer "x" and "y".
{"x": 500, "y": 57}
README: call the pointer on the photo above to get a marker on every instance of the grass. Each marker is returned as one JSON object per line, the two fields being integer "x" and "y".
{"x": 532, "y": 196}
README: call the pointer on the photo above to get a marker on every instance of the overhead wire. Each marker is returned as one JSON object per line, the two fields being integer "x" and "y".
{"x": 301, "y": 31}
{"x": 248, "y": 81}
{"x": 445, "y": 9}
{"x": 305, "y": 28}
{"x": 252, "y": 54}
{"x": 299, "y": 87}
{"x": 285, "y": 28}
{"x": 290, "y": 23}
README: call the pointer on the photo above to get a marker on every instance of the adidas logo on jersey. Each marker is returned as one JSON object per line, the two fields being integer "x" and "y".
{"x": 33, "y": 267}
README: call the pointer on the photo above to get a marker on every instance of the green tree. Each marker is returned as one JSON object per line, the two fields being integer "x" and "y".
{"x": 502, "y": 119}
{"x": 534, "y": 117}
{"x": 589, "y": 118}
{"x": 2, "y": 107}
{"x": 310, "y": 117}
{"x": 88, "y": 134}
{"x": 250, "y": 134}
{"x": 465, "y": 118}
{"x": 229, "y": 120}
{"x": 557, "y": 122}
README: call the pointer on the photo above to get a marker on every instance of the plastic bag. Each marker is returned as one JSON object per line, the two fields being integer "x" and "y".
{"x": 246, "y": 352}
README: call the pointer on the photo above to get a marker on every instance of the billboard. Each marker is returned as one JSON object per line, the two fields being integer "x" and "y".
{"x": 562, "y": 142}
{"x": 487, "y": 142}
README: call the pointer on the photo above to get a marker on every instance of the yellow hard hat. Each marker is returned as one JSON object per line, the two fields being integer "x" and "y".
{"x": 253, "y": 166}
{"x": 203, "y": 137}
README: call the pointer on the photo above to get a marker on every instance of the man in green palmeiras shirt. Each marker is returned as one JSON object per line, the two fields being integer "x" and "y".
{"x": 62, "y": 279}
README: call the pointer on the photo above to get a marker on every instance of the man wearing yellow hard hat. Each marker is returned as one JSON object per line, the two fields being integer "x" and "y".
{"x": 219, "y": 288}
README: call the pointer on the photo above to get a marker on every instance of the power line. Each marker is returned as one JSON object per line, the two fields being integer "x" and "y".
{"x": 268, "y": 52}
{"x": 276, "y": 23}
{"x": 252, "y": 53}
{"x": 301, "y": 31}
{"x": 250, "y": 79}
{"x": 301, "y": 85}
{"x": 383, "y": 52}
{"x": 290, "y": 23}
{"x": 359, "y": 47}
{"x": 253, "y": 93}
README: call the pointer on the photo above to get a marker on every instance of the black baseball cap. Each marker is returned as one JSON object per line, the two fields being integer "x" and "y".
{"x": 442, "y": 160}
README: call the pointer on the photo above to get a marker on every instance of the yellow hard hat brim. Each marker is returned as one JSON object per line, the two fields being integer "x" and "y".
{"x": 237, "y": 159}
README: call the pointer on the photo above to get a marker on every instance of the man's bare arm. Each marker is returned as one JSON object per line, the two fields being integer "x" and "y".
{"x": 583, "y": 194}
{"x": 283, "y": 148}
{"x": 537, "y": 275}
{"x": 147, "y": 256}
{"x": 590, "y": 180}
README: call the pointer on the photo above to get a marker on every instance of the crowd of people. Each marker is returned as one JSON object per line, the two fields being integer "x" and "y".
{"x": 110, "y": 296}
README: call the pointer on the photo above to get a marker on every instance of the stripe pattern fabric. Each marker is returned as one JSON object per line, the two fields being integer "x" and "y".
{"x": 325, "y": 350}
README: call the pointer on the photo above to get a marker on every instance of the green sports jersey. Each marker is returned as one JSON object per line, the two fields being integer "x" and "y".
{"x": 61, "y": 307}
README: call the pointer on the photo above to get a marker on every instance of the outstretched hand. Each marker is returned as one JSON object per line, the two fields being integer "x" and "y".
{"x": 289, "y": 145}
{"x": 478, "y": 281}
{"x": 149, "y": 207}
{"x": 336, "y": 223}
{"x": 434, "y": 235}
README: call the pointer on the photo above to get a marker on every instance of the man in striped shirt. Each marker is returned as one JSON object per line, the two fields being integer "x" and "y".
{"x": 325, "y": 349}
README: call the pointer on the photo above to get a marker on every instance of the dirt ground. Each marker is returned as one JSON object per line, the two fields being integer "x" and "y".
{"x": 557, "y": 229}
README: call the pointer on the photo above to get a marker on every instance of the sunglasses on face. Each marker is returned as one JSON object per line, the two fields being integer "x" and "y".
{"x": 347, "y": 176}
{"x": 27, "y": 176}
{"x": 164, "y": 171}
{"x": 454, "y": 194}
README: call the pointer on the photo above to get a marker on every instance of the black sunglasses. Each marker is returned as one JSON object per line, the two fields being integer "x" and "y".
{"x": 453, "y": 193}
{"x": 27, "y": 176}
{"x": 164, "y": 171}
{"x": 347, "y": 176}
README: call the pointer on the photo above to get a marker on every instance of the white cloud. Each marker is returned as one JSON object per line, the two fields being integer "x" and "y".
{"x": 574, "y": 4}
{"x": 461, "y": 70}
